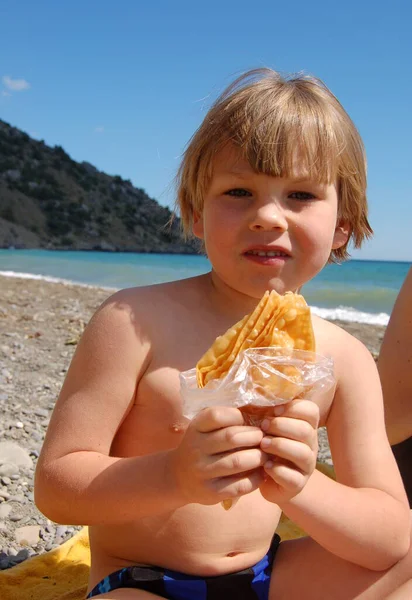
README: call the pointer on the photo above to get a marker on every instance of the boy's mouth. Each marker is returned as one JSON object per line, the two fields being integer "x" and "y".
{"x": 270, "y": 252}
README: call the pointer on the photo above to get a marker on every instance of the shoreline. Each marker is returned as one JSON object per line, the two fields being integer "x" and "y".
{"x": 40, "y": 324}
{"x": 339, "y": 314}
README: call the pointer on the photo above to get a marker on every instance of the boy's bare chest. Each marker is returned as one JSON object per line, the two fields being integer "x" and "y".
{"x": 155, "y": 422}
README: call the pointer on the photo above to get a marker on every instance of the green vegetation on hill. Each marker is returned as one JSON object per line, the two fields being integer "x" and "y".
{"x": 47, "y": 200}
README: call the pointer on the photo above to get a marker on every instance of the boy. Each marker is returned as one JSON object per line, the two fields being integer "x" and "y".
{"x": 273, "y": 183}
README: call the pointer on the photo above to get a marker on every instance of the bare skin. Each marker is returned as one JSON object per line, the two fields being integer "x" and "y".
{"x": 119, "y": 457}
{"x": 219, "y": 541}
{"x": 395, "y": 363}
{"x": 402, "y": 593}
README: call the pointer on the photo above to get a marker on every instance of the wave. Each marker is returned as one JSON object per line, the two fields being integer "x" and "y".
{"x": 345, "y": 313}
{"x": 340, "y": 313}
{"x": 51, "y": 279}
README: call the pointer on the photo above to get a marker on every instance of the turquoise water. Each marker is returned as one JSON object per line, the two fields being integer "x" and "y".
{"x": 357, "y": 290}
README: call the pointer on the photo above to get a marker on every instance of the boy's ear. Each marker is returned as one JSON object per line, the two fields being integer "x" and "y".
{"x": 197, "y": 227}
{"x": 341, "y": 235}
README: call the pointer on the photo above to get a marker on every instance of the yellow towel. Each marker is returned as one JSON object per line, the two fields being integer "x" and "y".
{"x": 62, "y": 573}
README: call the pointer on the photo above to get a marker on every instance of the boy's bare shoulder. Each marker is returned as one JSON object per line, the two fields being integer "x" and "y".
{"x": 328, "y": 330}
{"x": 355, "y": 370}
{"x": 334, "y": 341}
{"x": 139, "y": 304}
{"x": 118, "y": 342}
{"x": 134, "y": 320}
{"x": 357, "y": 385}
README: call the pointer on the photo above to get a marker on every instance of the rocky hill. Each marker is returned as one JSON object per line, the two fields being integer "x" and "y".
{"x": 48, "y": 200}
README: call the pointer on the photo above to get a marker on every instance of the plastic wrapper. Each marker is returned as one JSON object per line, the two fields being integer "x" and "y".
{"x": 260, "y": 378}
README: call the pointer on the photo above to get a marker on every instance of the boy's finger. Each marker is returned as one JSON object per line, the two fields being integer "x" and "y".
{"x": 307, "y": 410}
{"x": 293, "y": 429}
{"x": 234, "y": 463}
{"x": 235, "y": 486}
{"x": 217, "y": 417}
{"x": 299, "y": 455}
{"x": 231, "y": 438}
{"x": 286, "y": 477}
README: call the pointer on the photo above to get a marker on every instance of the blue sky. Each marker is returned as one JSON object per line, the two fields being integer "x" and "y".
{"x": 124, "y": 84}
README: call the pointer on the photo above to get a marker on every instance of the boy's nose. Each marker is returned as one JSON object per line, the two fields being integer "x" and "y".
{"x": 268, "y": 217}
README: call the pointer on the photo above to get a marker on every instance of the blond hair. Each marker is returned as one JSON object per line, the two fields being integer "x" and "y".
{"x": 273, "y": 120}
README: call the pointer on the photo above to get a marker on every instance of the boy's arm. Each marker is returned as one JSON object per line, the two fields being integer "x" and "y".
{"x": 395, "y": 364}
{"x": 76, "y": 479}
{"x": 78, "y": 482}
{"x": 364, "y": 516}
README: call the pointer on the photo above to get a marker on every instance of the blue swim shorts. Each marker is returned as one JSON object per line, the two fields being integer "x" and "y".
{"x": 249, "y": 584}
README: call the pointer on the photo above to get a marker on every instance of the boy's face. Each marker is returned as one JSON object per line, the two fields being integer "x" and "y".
{"x": 262, "y": 232}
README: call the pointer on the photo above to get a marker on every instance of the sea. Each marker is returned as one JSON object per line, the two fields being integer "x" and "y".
{"x": 357, "y": 290}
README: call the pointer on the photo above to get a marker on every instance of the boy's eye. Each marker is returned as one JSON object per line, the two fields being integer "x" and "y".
{"x": 238, "y": 192}
{"x": 302, "y": 196}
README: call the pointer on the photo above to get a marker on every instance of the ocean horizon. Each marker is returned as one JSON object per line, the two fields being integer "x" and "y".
{"x": 358, "y": 290}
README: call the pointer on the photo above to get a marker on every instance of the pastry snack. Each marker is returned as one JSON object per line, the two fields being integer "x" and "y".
{"x": 281, "y": 321}
{"x": 267, "y": 358}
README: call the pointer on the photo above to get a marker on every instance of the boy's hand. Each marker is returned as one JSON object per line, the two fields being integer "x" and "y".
{"x": 218, "y": 458}
{"x": 291, "y": 441}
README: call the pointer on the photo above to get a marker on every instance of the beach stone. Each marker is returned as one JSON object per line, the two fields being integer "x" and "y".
{"x": 61, "y": 531}
{"x": 28, "y": 535}
{"x": 8, "y": 469}
{"x": 5, "y": 510}
{"x": 13, "y": 453}
{"x": 7, "y": 376}
{"x": 21, "y": 556}
{"x": 41, "y": 412}
{"x": 16, "y": 517}
{"x": 44, "y": 535}
{"x": 21, "y": 498}
{"x": 4, "y": 563}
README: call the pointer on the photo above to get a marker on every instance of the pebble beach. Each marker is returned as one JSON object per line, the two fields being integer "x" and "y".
{"x": 40, "y": 325}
